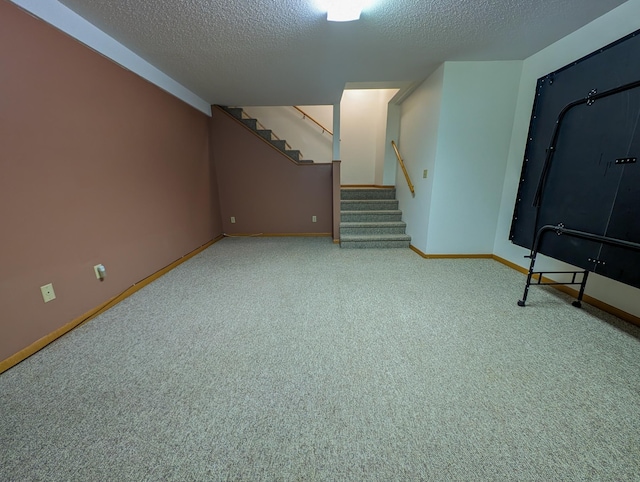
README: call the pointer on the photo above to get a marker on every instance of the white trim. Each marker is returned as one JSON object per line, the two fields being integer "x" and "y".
{"x": 63, "y": 18}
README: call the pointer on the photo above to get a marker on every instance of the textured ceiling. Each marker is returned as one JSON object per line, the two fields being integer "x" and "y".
{"x": 284, "y": 52}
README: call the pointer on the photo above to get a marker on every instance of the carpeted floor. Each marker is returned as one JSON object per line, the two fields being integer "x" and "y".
{"x": 291, "y": 359}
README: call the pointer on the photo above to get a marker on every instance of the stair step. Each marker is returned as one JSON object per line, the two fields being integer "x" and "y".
{"x": 376, "y": 241}
{"x": 294, "y": 154}
{"x": 267, "y": 134}
{"x": 282, "y": 145}
{"x": 350, "y": 193}
{"x": 251, "y": 123}
{"x": 358, "y": 228}
{"x": 368, "y": 204}
{"x": 234, "y": 111}
{"x": 370, "y": 218}
{"x": 387, "y": 215}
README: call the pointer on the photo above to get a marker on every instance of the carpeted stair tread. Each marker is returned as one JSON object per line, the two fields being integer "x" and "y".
{"x": 266, "y": 134}
{"x": 386, "y": 215}
{"x": 375, "y": 241}
{"x": 381, "y": 227}
{"x": 376, "y": 237}
{"x": 280, "y": 144}
{"x": 368, "y": 204}
{"x": 370, "y": 218}
{"x": 234, "y": 111}
{"x": 372, "y": 211}
{"x": 369, "y": 224}
{"x": 293, "y": 154}
{"x": 355, "y": 193}
{"x": 251, "y": 124}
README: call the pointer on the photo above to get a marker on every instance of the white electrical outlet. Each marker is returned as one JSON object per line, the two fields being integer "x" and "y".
{"x": 425, "y": 173}
{"x": 314, "y": 219}
{"x": 233, "y": 220}
{"x": 47, "y": 293}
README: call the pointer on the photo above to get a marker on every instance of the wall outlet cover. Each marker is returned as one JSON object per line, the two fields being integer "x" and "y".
{"x": 47, "y": 293}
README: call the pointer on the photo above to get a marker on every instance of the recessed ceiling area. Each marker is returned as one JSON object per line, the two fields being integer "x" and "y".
{"x": 262, "y": 52}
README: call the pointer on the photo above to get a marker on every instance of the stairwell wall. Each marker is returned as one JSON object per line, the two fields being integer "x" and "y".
{"x": 98, "y": 166}
{"x": 392, "y": 133}
{"x": 457, "y": 126}
{"x": 363, "y": 122}
{"x": 288, "y": 124}
{"x": 418, "y": 144}
{"x": 478, "y": 105}
{"x": 262, "y": 189}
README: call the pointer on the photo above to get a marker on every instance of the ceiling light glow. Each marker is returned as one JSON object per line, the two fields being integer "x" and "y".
{"x": 343, "y": 13}
{"x": 344, "y": 10}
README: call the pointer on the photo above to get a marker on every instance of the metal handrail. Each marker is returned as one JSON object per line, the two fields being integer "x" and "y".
{"x": 404, "y": 169}
{"x": 307, "y": 116}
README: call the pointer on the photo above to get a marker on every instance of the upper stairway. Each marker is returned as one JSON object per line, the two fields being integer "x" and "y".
{"x": 370, "y": 218}
{"x": 266, "y": 134}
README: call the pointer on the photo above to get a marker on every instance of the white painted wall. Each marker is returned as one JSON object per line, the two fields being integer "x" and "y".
{"x": 394, "y": 112}
{"x": 363, "y": 123}
{"x": 457, "y": 125}
{"x": 384, "y": 96}
{"x": 337, "y": 132}
{"x": 418, "y": 142}
{"x": 302, "y": 134}
{"x": 478, "y": 105}
{"x": 602, "y": 31}
{"x": 77, "y": 27}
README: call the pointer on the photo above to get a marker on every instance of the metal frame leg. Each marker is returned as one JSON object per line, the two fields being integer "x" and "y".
{"x": 523, "y": 301}
{"x": 578, "y": 302}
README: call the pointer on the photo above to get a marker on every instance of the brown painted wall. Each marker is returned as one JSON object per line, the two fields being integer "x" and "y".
{"x": 96, "y": 166}
{"x": 267, "y": 193}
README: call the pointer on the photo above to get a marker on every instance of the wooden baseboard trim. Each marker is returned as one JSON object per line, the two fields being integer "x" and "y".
{"x": 450, "y": 256}
{"x": 623, "y": 315}
{"x": 574, "y": 293}
{"x": 278, "y": 235}
{"x": 45, "y": 340}
{"x": 511, "y": 265}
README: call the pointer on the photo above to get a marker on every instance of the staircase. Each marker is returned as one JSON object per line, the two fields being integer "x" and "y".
{"x": 266, "y": 134}
{"x": 370, "y": 218}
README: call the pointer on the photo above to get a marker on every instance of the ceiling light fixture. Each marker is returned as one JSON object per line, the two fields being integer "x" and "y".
{"x": 344, "y": 10}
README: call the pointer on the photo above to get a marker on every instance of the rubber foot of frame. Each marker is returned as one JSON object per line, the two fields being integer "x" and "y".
{"x": 577, "y": 304}
{"x": 520, "y": 303}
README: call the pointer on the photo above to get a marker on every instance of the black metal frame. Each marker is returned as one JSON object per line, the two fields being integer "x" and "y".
{"x": 588, "y": 100}
{"x": 561, "y": 230}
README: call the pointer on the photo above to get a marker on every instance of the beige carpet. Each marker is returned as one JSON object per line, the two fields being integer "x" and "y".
{"x": 291, "y": 359}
